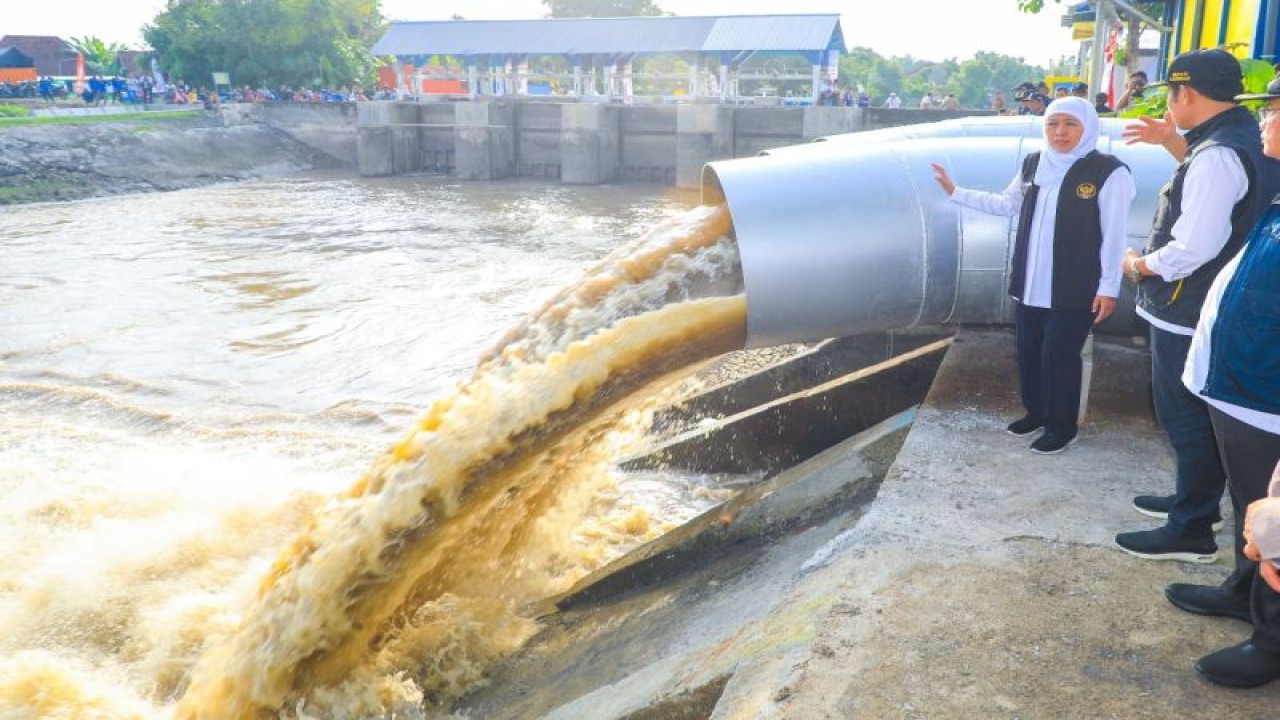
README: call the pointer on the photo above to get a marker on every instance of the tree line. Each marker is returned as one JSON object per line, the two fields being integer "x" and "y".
{"x": 304, "y": 43}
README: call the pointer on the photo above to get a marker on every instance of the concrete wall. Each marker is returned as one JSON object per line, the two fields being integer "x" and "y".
{"x": 435, "y": 139}
{"x": 484, "y": 140}
{"x": 590, "y": 144}
{"x": 538, "y": 140}
{"x": 757, "y": 129}
{"x": 649, "y": 144}
{"x": 579, "y": 143}
{"x": 328, "y": 127}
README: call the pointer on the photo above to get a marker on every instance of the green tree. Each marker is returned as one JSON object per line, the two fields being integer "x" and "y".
{"x": 600, "y": 8}
{"x": 971, "y": 80}
{"x": 268, "y": 42}
{"x": 976, "y": 78}
{"x": 920, "y": 77}
{"x": 878, "y": 75}
{"x": 99, "y": 57}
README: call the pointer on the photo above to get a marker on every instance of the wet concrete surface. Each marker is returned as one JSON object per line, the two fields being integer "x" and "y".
{"x": 980, "y": 582}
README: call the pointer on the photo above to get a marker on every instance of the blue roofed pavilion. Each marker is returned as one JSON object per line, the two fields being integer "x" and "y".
{"x": 606, "y": 57}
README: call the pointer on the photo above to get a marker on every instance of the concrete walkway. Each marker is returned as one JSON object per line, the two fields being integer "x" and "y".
{"x": 981, "y": 582}
{"x": 985, "y": 582}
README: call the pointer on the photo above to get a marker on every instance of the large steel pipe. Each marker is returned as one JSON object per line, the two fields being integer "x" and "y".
{"x": 853, "y": 235}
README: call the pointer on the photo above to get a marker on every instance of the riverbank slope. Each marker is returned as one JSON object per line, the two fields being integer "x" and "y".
{"x": 67, "y": 162}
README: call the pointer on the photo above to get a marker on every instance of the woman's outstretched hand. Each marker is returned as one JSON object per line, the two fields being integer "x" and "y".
{"x": 944, "y": 180}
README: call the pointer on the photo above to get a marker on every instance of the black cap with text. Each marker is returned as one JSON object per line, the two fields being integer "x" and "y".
{"x": 1214, "y": 73}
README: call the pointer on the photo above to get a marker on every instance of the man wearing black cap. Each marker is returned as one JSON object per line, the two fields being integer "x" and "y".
{"x": 1234, "y": 363}
{"x": 1024, "y": 94}
{"x": 1033, "y": 103}
{"x": 1222, "y": 184}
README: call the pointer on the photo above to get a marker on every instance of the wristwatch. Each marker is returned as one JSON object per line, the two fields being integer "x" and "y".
{"x": 1134, "y": 274}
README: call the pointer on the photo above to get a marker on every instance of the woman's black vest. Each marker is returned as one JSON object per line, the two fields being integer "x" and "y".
{"x": 1179, "y": 302}
{"x": 1077, "y": 231}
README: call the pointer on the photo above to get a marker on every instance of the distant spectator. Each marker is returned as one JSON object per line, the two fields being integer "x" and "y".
{"x": 828, "y": 94}
{"x": 1100, "y": 103}
{"x": 1081, "y": 90}
{"x": 927, "y": 103}
{"x": 1034, "y": 103}
{"x": 997, "y": 101}
{"x": 893, "y": 101}
{"x": 1133, "y": 93}
{"x": 864, "y": 100}
{"x": 1060, "y": 92}
{"x": 95, "y": 91}
{"x": 950, "y": 102}
{"x": 1020, "y": 95}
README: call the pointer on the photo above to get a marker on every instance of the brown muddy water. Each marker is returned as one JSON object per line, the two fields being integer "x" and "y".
{"x": 311, "y": 447}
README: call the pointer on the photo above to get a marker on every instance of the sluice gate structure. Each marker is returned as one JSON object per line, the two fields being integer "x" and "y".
{"x": 590, "y": 143}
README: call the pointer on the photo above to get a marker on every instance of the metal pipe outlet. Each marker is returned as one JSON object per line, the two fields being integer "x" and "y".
{"x": 853, "y": 235}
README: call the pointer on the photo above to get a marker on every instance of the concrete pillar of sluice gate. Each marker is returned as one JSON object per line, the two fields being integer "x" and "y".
{"x": 406, "y": 151}
{"x": 484, "y": 140}
{"x": 703, "y": 133}
{"x": 590, "y": 144}
{"x": 820, "y": 121}
{"x": 373, "y": 139}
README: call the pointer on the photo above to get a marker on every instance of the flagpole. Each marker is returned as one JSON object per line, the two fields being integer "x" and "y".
{"x": 79, "y": 73}
{"x": 1101, "y": 26}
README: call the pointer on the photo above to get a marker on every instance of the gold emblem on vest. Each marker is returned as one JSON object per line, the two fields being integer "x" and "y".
{"x": 1086, "y": 191}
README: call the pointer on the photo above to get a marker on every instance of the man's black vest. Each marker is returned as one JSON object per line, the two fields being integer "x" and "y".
{"x": 1077, "y": 231}
{"x": 1179, "y": 302}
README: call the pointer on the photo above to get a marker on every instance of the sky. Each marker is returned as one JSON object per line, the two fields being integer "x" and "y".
{"x": 925, "y": 29}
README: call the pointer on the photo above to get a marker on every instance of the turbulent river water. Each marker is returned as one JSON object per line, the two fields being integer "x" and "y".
{"x": 248, "y": 466}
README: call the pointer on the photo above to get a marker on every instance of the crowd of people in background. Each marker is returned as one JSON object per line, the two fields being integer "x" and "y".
{"x": 285, "y": 93}
{"x": 101, "y": 91}
{"x": 833, "y": 95}
{"x": 1030, "y": 98}
{"x": 27, "y": 89}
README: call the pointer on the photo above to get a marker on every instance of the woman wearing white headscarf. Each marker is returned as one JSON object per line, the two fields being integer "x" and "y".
{"x": 1073, "y": 207}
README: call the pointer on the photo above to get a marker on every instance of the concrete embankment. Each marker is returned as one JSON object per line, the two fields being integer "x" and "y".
{"x": 974, "y": 580}
{"x": 66, "y": 162}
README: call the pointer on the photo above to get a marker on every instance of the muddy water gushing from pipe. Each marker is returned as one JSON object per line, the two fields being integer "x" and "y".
{"x": 414, "y": 580}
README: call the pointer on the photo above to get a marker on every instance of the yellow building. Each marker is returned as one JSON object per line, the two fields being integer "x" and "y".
{"x": 1247, "y": 27}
